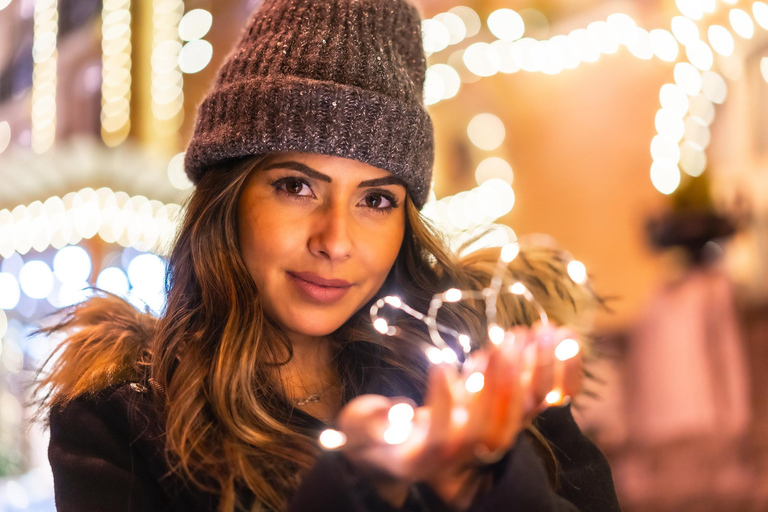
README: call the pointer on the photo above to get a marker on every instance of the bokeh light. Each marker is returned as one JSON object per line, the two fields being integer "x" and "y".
{"x": 72, "y": 264}
{"x": 506, "y": 24}
{"x": 741, "y": 23}
{"x": 36, "y": 279}
{"x": 195, "y": 25}
{"x": 486, "y": 131}
{"x": 10, "y": 293}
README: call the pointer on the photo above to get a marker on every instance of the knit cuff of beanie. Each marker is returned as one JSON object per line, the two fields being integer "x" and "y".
{"x": 290, "y": 113}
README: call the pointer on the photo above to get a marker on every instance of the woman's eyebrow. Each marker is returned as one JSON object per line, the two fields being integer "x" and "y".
{"x": 305, "y": 169}
{"x": 302, "y": 168}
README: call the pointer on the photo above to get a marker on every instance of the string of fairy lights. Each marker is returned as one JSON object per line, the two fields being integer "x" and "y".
{"x": 45, "y": 58}
{"x": 687, "y": 105}
{"x": 115, "y": 71}
{"x": 400, "y": 416}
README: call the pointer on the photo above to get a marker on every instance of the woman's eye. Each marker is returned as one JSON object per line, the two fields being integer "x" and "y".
{"x": 294, "y": 186}
{"x": 375, "y": 201}
{"x": 379, "y": 201}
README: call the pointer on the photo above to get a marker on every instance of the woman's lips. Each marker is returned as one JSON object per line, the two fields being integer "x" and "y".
{"x": 318, "y": 288}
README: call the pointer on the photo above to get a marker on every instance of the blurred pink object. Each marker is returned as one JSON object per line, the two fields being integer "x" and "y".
{"x": 686, "y": 369}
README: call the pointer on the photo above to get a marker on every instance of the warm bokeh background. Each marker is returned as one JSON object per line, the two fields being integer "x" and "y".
{"x": 97, "y": 101}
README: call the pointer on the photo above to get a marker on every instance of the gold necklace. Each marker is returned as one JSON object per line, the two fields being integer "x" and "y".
{"x": 313, "y": 398}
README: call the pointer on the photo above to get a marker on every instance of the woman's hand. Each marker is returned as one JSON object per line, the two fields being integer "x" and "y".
{"x": 460, "y": 428}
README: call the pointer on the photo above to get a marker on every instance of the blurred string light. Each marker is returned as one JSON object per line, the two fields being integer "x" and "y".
{"x": 741, "y": 23}
{"x": 69, "y": 282}
{"x": 116, "y": 71}
{"x": 197, "y": 52}
{"x": 479, "y": 206}
{"x": 116, "y": 217}
{"x": 167, "y": 79}
{"x": 680, "y": 142}
{"x": 45, "y": 56}
{"x": 512, "y": 52}
{"x": 760, "y": 12}
{"x": 176, "y": 174}
{"x": 486, "y": 131}
{"x": 10, "y": 292}
{"x": 687, "y": 106}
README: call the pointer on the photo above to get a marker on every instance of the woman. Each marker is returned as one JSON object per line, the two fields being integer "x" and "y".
{"x": 312, "y": 155}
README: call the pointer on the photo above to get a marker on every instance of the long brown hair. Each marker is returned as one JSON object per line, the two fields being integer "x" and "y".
{"x": 215, "y": 356}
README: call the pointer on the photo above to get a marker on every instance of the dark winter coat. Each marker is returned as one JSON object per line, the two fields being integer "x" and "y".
{"x": 107, "y": 455}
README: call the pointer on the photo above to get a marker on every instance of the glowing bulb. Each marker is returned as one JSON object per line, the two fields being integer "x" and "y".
{"x": 465, "y": 342}
{"x": 435, "y": 36}
{"x": 36, "y": 279}
{"x": 396, "y": 435}
{"x": 147, "y": 273}
{"x": 113, "y": 280}
{"x": 393, "y": 301}
{"x": 760, "y": 11}
{"x": 700, "y": 55}
{"x": 664, "y": 149}
{"x": 195, "y": 56}
{"x": 496, "y": 334}
{"x": 332, "y": 439}
{"x": 176, "y": 174}
{"x": 554, "y": 397}
{"x": 469, "y": 17}
{"x": 663, "y": 44}
{"x": 509, "y": 252}
{"x": 449, "y": 356}
{"x": 721, "y": 40}
{"x": 381, "y": 325}
{"x": 506, "y": 24}
{"x": 741, "y": 23}
{"x": 567, "y": 349}
{"x": 669, "y": 125}
{"x": 400, "y": 414}
{"x": 10, "y": 293}
{"x": 452, "y": 295}
{"x": 435, "y": 355}
{"x": 674, "y": 99}
{"x": 475, "y": 382}
{"x": 482, "y": 59}
{"x": 640, "y": 44}
{"x": 72, "y": 264}
{"x": 448, "y": 79}
{"x": 697, "y": 131}
{"x": 688, "y": 78}
{"x": 714, "y": 87}
{"x": 195, "y": 25}
{"x": 690, "y": 8}
{"x": 459, "y": 416}
{"x": 518, "y": 288}
{"x": 665, "y": 176}
{"x": 577, "y": 271}
{"x": 693, "y": 160}
{"x": 455, "y": 26}
{"x": 486, "y": 131}
{"x": 684, "y": 30}
{"x": 493, "y": 168}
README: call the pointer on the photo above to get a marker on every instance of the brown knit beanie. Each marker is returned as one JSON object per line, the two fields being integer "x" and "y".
{"x": 335, "y": 77}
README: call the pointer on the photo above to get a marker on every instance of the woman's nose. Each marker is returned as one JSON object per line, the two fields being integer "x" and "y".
{"x": 331, "y": 237}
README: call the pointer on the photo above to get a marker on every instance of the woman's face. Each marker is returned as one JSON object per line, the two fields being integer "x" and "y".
{"x": 319, "y": 234}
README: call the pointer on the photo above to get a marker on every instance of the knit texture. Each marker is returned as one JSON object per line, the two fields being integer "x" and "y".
{"x": 335, "y": 77}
